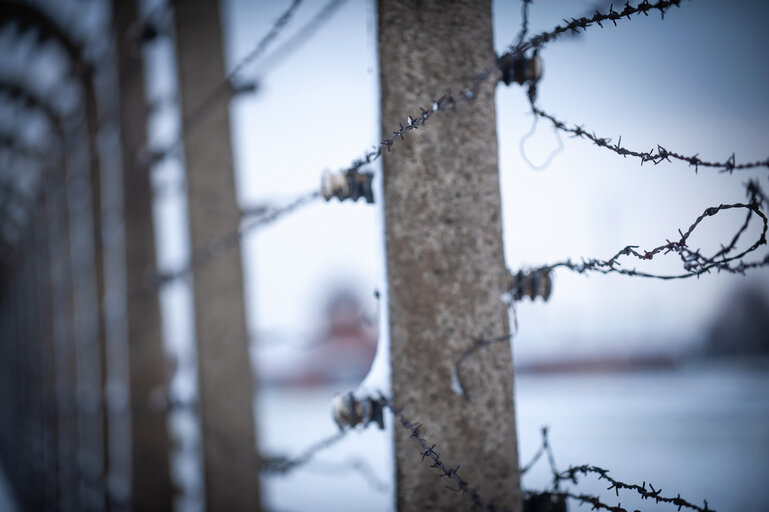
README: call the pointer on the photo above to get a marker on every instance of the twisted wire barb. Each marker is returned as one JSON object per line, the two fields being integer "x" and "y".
{"x": 655, "y": 156}
{"x": 429, "y": 451}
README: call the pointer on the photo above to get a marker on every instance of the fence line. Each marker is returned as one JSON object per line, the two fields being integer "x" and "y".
{"x": 728, "y": 258}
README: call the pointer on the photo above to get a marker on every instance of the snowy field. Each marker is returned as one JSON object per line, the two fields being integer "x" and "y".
{"x": 703, "y": 433}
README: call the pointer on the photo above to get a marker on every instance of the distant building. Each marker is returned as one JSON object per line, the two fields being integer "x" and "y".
{"x": 340, "y": 352}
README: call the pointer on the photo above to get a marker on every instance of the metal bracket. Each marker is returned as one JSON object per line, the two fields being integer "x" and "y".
{"x": 532, "y": 284}
{"x": 349, "y": 411}
{"x": 520, "y": 69}
{"x": 351, "y": 184}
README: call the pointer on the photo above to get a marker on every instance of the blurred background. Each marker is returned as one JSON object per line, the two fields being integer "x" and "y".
{"x": 658, "y": 381}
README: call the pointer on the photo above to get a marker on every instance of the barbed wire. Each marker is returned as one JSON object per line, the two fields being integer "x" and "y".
{"x": 353, "y": 464}
{"x": 694, "y": 262}
{"x": 428, "y": 450}
{"x": 264, "y": 43}
{"x": 574, "y": 25}
{"x": 218, "y": 245}
{"x": 524, "y": 23}
{"x": 544, "y": 448}
{"x": 283, "y": 465}
{"x": 302, "y": 35}
{"x": 646, "y": 494}
{"x": 570, "y": 475}
{"x": 655, "y": 156}
{"x": 225, "y": 87}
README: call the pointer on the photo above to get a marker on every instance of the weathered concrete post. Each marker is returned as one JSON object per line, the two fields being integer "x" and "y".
{"x": 225, "y": 377}
{"x": 151, "y": 485}
{"x": 445, "y": 256}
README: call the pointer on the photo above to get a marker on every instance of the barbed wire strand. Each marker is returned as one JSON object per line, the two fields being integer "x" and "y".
{"x": 574, "y": 25}
{"x": 655, "y": 156}
{"x": 302, "y": 35}
{"x": 353, "y": 464}
{"x": 429, "y": 451}
{"x": 544, "y": 447}
{"x": 524, "y": 23}
{"x": 218, "y": 245}
{"x": 646, "y": 494}
{"x": 693, "y": 261}
{"x": 283, "y": 465}
{"x": 225, "y": 87}
{"x": 571, "y": 474}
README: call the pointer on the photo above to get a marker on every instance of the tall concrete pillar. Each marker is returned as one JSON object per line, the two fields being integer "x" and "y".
{"x": 445, "y": 256}
{"x": 225, "y": 377}
{"x": 151, "y": 485}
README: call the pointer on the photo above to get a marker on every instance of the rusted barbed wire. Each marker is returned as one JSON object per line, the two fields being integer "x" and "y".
{"x": 429, "y": 451}
{"x": 655, "y": 156}
{"x": 576, "y": 24}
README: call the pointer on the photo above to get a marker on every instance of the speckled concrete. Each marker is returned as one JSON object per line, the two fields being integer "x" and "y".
{"x": 445, "y": 256}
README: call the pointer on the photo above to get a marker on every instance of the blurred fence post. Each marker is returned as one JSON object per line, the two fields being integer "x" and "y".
{"x": 226, "y": 382}
{"x": 445, "y": 256}
{"x": 151, "y": 485}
